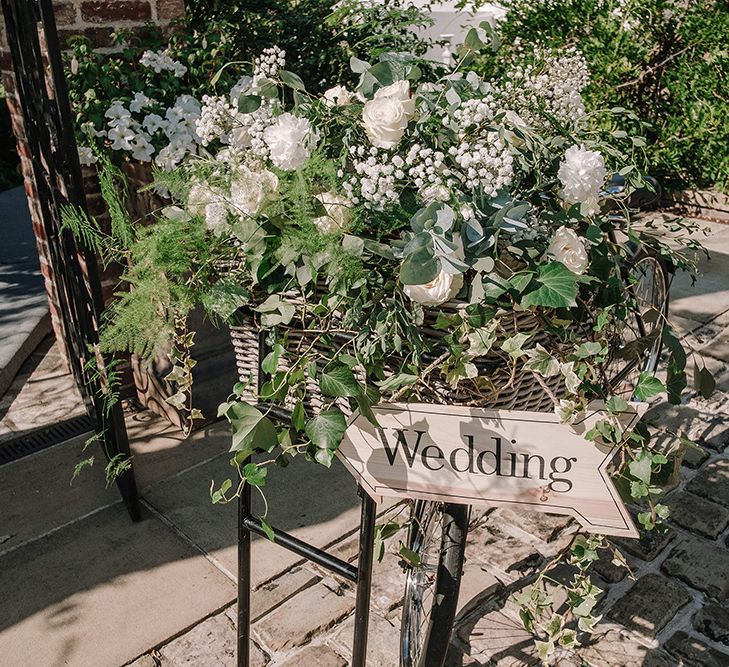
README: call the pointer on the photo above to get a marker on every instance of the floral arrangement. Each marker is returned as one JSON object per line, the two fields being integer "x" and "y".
{"x": 441, "y": 238}
{"x": 143, "y": 103}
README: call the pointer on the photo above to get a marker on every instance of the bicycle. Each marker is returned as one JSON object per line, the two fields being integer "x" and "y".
{"x": 438, "y": 531}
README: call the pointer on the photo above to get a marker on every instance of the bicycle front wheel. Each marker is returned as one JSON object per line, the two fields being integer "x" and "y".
{"x": 438, "y": 536}
{"x": 647, "y": 284}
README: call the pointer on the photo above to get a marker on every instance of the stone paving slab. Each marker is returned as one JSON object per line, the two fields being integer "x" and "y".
{"x": 296, "y": 504}
{"x": 102, "y": 592}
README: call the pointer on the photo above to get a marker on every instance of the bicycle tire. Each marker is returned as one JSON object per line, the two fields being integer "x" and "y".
{"x": 437, "y": 533}
{"x": 644, "y": 263}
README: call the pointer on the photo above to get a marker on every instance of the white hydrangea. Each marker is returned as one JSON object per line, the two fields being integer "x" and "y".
{"x": 252, "y": 189}
{"x": 161, "y": 61}
{"x": 582, "y": 174}
{"x": 290, "y": 141}
{"x": 210, "y": 204}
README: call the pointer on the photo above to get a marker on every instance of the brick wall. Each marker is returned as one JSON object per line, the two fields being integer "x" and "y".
{"x": 97, "y": 20}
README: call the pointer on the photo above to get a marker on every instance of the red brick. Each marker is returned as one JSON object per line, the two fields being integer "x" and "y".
{"x": 65, "y": 13}
{"x": 104, "y": 11}
{"x": 170, "y": 9}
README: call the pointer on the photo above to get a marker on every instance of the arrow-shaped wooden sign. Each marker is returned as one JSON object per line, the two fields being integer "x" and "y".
{"x": 496, "y": 457}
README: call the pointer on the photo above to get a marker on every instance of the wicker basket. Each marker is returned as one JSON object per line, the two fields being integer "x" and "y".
{"x": 522, "y": 391}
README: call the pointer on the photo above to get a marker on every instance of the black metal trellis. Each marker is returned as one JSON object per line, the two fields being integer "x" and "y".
{"x": 361, "y": 574}
{"x": 33, "y": 41}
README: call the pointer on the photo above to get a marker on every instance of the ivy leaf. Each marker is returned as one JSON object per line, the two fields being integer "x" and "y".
{"x": 254, "y": 474}
{"x": 641, "y": 466}
{"x": 589, "y": 349}
{"x": 326, "y": 430}
{"x": 540, "y": 361}
{"x": 338, "y": 381}
{"x": 616, "y": 404}
{"x": 251, "y": 429}
{"x": 513, "y": 346}
{"x": 648, "y": 385}
{"x": 558, "y": 288}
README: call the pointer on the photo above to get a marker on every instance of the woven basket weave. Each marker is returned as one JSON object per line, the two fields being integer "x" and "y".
{"x": 520, "y": 392}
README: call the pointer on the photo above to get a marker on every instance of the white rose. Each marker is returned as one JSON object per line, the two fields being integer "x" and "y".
{"x": 386, "y": 116}
{"x": 338, "y": 96}
{"x": 252, "y": 189}
{"x": 290, "y": 141}
{"x": 568, "y": 248}
{"x": 439, "y": 290}
{"x": 338, "y": 213}
{"x": 582, "y": 174}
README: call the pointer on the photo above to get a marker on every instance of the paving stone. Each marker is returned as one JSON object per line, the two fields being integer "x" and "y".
{"x": 694, "y": 653}
{"x": 712, "y": 482}
{"x": 650, "y": 604}
{"x": 145, "y": 661}
{"x": 698, "y": 515}
{"x": 316, "y": 656}
{"x": 701, "y": 565}
{"x": 271, "y": 595}
{"x": 713, "y": 621}
{"x": 477, "y": 585}
{"x": 388, "y": 582}
{"x": 511, "y": 556}
{"x": 546, "y": 527}
{"x": 616, "y": 649}
{"x": 383, "y": 647}
{"x": 694, "y": 457}
{"x": 609, "y": 571}
{"x": 212, "y": 643}
{"x": 715, "y": 434}
{"x": 648, "y": 545}
{"x": 302, "y": 617}
{"x": 498, "y": 640}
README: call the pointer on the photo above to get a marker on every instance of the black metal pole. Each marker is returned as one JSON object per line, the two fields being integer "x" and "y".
{"x": 244, "y": 578}
{"x": 364, "y": 579}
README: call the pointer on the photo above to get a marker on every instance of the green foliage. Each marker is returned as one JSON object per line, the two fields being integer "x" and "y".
{"x": 318, "y": 40}
{"x": 666, "y": 61}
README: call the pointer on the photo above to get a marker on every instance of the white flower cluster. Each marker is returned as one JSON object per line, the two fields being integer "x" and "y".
{"x": 554, "y": 87}
{"x": 216, "y": 119}
{"x": 373, "y": 183}
{"x": 268, "y": 64}
{"x": 582, "y": 174}
{"x": 179, "y": 127}
{"x": 128, "y": 134}
{"x": 485, "y": 163}
{"x": 429, "y": 173}
{"x": 476, "y": 111}
{"x": 161, "y": 61}
{"x": 290, "y": 141}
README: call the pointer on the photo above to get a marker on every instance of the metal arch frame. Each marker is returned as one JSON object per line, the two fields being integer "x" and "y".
{"x": 57, "y": 176}
{"x": 361, "y": 574}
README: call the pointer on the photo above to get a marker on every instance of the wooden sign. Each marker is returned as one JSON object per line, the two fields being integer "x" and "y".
{"x": 495, "y": 457}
